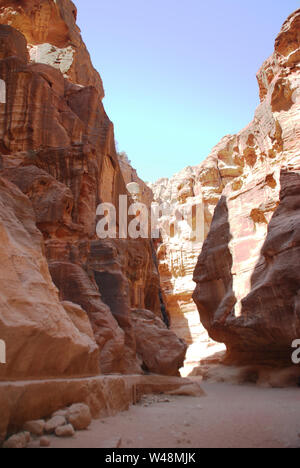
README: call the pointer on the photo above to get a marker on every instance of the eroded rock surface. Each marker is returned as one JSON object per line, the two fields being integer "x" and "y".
{"x": 245, "y": 177}
{"x": 33, "y": 322}
{"x": 53, "y": 37}
{"x": 57, "y": 146}
{"x": 161, "y": 351}
{"x": 247, "y": 274}
{"x": 188, "y": 197}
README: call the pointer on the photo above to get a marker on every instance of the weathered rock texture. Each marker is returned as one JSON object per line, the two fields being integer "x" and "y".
{"x": 130, "y": 175}
{"x": 247, "y": 287}
{"x": 105, "y": 396}
{"x": 41, "y": 338}
{"x": 57, "y": 147}
{"x": 53, "y": 37}
{"x": 248, "y": 272}
{"x": 160, "y": 350}
{"x": 194, "y": 191}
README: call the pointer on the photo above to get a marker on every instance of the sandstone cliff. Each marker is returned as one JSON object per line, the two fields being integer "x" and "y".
{"x": 248, "y": 272}
{"x": 246, "y": 284}
{"x": 57, "y": 147}
{"x": 195, "y": 191}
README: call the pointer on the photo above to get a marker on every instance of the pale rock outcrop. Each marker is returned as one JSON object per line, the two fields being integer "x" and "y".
{"x": 53, "y": 37}
{"x": 104, "y": 395}
{"x": 187, "y": 198}
{"x": 130, "y": 175}
{"x": 247, "y": 274}
{"x": 65, "y": 431}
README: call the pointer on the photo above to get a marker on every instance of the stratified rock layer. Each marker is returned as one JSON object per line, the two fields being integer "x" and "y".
{"x": 53, "y": 37}
{"x": 41, "y": 338}
{"x": 191, "y": 197}
{"x": 57, "y": 146}
{"x": 245, "y": 174}
{"x": 247, "y": 274}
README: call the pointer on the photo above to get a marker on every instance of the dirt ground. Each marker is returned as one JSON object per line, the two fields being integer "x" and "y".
{"x": 230, "y": 416}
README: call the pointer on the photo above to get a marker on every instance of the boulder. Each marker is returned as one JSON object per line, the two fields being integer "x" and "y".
{"x": 65, "y": 431}
{"x": 79, "y": 416}
{"x": 161, "y": 351}
{"x": 17, "y": 441}
{"x": 35, "y": 427}
{"x": 54, "y": 423}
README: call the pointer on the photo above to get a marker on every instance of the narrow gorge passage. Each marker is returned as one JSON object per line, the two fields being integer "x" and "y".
{"x": 141, "y": 314}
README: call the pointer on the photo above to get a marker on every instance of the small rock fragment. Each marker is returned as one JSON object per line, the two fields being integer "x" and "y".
{"x": 54, "y": 423}
{"x": 65, "y": 431}
{"x": 35, "y": 427}
{"x": 45, "y": 442}
{"x": 17, "y": 441}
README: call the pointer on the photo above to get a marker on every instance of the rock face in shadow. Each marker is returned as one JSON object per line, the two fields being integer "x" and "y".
{"x": 247, "y": 280}
{"x": 57, "y": 146}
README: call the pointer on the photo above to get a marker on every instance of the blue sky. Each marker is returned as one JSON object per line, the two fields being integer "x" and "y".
{"x": 179, "y": 75}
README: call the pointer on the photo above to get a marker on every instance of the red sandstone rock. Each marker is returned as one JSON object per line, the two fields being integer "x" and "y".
{"x": 12, "y": 44}
{"x": 79, "y": 416}
{"x": 105, "y": 396}
{"x": 161, "y": 351}
{"x": 53, "y": 37}
{"x": 248, "y": 165}
{"x": 63, "y": 158}
{"x": 34, "y": 326}
{"x": 178, "y": 250}
{"x": 247, "y": 274}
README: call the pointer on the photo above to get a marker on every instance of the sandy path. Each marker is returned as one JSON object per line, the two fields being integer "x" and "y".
{"x": 230, "y": 416}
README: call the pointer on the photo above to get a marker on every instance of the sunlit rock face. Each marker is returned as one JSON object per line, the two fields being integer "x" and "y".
{"x": 196, "y": 193}
{"x": 53, "y": 37}
{"x": 145, "y": 194}
{"x": 247, "y": 274}
{"x": 57, "y": 147}
{"x": 244, "y": 177}
{"x": 33, "y": 322}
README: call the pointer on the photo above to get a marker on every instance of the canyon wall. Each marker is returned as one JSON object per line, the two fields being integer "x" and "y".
{"x": 58, "y": 161}
{"x": 248, "y": 272}
{"x": 246, "y": 196}
{"x": 188, "y": 201}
